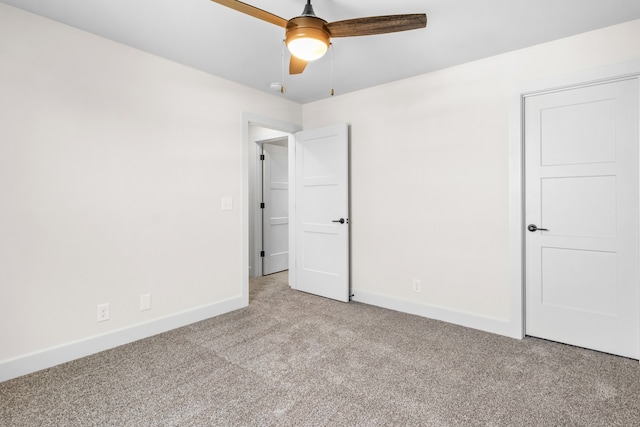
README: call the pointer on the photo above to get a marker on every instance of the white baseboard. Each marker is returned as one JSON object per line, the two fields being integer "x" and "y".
{"x": 48, "y": 358}
{"x": 470, "y": 320}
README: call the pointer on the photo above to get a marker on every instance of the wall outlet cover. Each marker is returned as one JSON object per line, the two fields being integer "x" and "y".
{"x": 417, "y": 285}
{"x": 103, "y": 312}
{"x": 145, "y": 302}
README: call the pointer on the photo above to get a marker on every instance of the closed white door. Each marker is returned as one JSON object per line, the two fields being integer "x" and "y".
{"x": 275, "y": 214}
{"x": 322, "y": 212}
{"x": 581, "y": 175}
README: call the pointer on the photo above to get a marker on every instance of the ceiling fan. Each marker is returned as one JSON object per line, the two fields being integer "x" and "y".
{"x": 308, "y": 37}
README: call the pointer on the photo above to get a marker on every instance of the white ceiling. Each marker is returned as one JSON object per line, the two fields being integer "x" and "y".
{"x": 218, "y": 40}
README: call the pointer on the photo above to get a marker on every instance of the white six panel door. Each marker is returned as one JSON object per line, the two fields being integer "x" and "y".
{"x": 581, "y": 166}
{"x": 275, "y": 194}
{"x": 322, "y": 200}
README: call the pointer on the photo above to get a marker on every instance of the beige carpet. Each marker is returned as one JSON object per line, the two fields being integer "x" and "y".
{"x": 292, "y": 359}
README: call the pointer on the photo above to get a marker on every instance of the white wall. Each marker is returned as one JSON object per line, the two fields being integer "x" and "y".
{"x": 430, "y": 177}
{"x": 113, "y": 164}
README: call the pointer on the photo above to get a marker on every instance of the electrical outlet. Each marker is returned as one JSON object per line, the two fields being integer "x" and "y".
{"x": 103, "y": 312}
{"x": 417, "y": 285}
{"x": 145, "y": 302}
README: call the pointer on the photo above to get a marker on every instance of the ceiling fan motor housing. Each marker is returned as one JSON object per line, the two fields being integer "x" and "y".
{"x": 305, "y": 30}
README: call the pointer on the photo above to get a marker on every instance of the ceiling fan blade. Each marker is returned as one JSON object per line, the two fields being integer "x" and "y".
{"x": 297, "y": 65}
{"x": 253, "y": 11}
{"x": 377, "y": 25}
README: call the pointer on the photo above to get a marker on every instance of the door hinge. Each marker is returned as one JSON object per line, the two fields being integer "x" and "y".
{"x": 262, "y": 254}
{"x": 261, "y": 156}
{"x": 262, "y": 205}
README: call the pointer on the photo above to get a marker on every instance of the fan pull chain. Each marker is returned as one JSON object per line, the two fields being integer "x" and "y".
{"x": 331, "y": 47}
{"x": 282, "y": 90}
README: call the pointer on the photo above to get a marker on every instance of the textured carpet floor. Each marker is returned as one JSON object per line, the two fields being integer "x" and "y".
{"x": 292, "y": 359}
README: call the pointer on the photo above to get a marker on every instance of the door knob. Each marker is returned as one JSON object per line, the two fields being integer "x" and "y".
{"x": 533, "y": 227}
{"x": 341, "y": 220}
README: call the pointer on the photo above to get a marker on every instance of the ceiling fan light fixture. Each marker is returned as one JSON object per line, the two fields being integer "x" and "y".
{"x": 306, "y": 38}
{"x": 307, "y": 48}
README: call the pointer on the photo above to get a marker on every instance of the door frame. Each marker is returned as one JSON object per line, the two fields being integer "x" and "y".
{"x": 249, "y": 119}
{"x": 516, "y": 328}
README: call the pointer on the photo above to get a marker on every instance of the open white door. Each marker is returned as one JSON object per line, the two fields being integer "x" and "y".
{"x": 322, "y": 212}
{"x": 581, "y": 162}
{"x": 275, "y": 214}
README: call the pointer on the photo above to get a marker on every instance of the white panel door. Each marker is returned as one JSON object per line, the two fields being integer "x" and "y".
{"x": 275, "y": 215}
{"x": 322, "y": 212}
{"x": 581, "y": 166}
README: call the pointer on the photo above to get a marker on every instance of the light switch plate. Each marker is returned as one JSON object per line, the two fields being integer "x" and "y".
{"x": 227, "y": 203}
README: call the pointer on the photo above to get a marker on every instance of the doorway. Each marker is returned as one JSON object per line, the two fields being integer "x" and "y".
{"x": 258, "y": 135}
{"x": 254, "y": 128}
{"x": 271, "y": 207}
{"x": 581, "y": 216}
{"x": 318, "y": 238}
